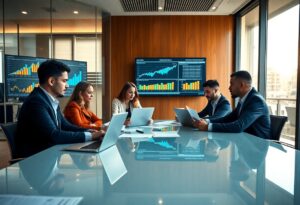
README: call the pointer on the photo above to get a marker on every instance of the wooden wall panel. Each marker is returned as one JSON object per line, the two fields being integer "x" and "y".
{"x": 171, "y": 36}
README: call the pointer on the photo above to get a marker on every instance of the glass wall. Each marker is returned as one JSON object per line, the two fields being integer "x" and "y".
{"x": 249, "y": 43}
{"x": 282, "y": 63}
{"x": 55, "y": 29}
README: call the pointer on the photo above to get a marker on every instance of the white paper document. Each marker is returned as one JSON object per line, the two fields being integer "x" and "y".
{"x": 135, "y": 135}
{"x": 167, "y": 122}
{"x": 166, "y": 134}
{"x": 37, "y": 200}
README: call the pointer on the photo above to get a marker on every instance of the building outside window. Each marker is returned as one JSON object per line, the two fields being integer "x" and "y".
{"x": 282, "y": 63}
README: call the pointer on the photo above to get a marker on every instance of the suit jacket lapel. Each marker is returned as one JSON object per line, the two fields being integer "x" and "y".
{"x": 47, "y": 101}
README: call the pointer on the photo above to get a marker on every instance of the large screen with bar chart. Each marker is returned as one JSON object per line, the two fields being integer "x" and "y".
{"x": 21, "y": 74}
{"x": 170, "y": 76}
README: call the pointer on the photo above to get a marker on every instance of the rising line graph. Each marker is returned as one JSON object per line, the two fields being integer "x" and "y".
{"x": 163, "y": 71}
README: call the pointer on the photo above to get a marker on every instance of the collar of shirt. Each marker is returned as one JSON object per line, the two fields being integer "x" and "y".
{"x": 215, "y": 102}
{"x": 53, "y": 100}
{"x": 242, "y": 100}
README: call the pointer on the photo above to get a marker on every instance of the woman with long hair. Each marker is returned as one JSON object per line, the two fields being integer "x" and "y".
{"x": 127, "y": 100}
{"x": 77, "y": 110}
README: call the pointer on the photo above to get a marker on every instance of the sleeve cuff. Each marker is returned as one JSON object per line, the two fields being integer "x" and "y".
{"x": 88, "y": 136}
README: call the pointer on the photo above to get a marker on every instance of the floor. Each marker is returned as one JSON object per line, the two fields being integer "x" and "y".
{"x": 4, "y": 152}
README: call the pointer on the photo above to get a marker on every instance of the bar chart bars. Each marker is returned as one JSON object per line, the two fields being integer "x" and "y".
{"x": 191, "y": 86}
{"x": 157, "y": 87}
{"x": 27, "y": 70}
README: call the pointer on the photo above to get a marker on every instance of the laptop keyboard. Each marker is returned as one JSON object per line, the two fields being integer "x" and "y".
{"x": 94, "y": 145}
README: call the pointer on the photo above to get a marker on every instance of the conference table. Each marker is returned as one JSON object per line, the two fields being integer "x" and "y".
{"x": 186, "y": 167}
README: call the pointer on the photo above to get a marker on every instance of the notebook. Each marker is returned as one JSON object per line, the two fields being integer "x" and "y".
{"x": 110, "y": 138}
{"x": 141, "y": 116}
{"x": 183, "y": 117}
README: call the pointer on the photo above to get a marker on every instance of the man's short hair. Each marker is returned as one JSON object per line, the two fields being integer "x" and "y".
{"x": 51, "y": 68}
{"x": 242, "y": 74}
{"x": 211, "y": 84}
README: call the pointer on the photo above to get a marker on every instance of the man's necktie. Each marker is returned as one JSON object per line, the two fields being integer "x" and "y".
{"x": 238, "y": 107}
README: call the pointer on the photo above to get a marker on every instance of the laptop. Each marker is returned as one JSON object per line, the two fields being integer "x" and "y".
{"x": 141, "y": 116}
{"x": 183, "y": 117}
{"x": 110, "y": 138}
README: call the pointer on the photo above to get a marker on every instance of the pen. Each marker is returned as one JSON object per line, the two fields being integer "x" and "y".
{"x": 140, "y": 131}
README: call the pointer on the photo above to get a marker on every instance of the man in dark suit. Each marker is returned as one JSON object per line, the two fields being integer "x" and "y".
{"x": 217, "y": 106}
{"x": 40, "y": 122}
{"x": 251, "y": 115}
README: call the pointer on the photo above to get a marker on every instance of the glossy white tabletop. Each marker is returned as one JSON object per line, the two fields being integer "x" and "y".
{"x": 195, "y": 168}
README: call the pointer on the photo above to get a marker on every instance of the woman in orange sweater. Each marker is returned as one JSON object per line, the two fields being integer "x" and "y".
{"x": 77, "y": 110}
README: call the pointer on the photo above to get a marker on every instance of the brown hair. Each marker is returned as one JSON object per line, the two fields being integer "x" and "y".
{"x": 122, "y": 94}
{"x": 80, "y": 88}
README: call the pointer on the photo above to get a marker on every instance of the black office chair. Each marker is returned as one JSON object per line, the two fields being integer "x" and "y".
{"x": 277, "y": 124}
{"x": 9, "y": 130}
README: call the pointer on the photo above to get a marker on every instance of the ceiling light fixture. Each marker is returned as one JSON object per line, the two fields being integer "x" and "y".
{"x": 24, "y": 12}
{"x": 75, "y": 12}
{"x": 161, "y": 5}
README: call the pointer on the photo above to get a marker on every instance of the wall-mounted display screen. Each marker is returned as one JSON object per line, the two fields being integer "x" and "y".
{"x": 170, "y": 76}
{"x": 21, "y": 74}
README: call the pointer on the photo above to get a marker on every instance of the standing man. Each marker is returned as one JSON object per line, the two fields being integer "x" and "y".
{"x": 251, "y": 115}
{"x": 217, "y": 106}
{"x": 40, "y": 122}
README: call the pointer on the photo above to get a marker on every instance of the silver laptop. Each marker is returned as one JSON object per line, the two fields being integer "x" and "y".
{"x": 110, "y": 138}
{"x": 141, "y": 116}
{"x": 183, "y": 117}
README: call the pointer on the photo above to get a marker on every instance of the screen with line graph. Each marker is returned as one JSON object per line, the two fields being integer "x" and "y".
{"x": 170, "y": 76}
{"x": 21, "y": 74}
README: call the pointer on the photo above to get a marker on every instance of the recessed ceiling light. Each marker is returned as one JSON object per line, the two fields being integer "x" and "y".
{"x": 24, "y": 12}
{"x": 214, "y": 8}
{"x": 75, "y": 12}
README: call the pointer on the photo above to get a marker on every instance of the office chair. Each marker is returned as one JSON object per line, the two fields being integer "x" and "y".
{"x": 291, "y": 113}
{"x": 9, "y": 130}
{"x": 277, "y": 123}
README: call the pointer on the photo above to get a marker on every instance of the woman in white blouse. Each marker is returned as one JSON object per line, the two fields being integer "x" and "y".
{"x": 127, "y": 100}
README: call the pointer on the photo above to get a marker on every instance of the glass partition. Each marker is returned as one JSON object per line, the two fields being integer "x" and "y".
{"x": 55, "y": 29}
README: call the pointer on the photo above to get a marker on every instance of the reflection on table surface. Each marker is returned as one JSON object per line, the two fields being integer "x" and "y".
{"x": 194, "y": 168}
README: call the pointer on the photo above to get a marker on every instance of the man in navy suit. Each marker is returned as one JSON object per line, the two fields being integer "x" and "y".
{"x": 251, "y": 115}
{"x": 217, "y": 106}
{"x": 40, "y": 122}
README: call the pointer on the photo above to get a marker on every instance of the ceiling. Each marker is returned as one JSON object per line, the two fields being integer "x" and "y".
{"x": 171, "y": 7}
{"x": 63, "y": 9}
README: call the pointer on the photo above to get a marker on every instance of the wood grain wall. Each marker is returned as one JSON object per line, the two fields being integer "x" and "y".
{"x": 169, "y": 36}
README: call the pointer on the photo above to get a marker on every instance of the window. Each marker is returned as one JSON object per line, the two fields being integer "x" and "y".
{"x": 249, "y": 44}
{"x": 282, "y": 63}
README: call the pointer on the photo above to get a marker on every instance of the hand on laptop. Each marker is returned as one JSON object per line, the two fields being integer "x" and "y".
{"x": 98, "y": 135}
{"x": 127, "y": 122}
{"x": 200, "y": 124}
{"x": 150, "y": 122}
